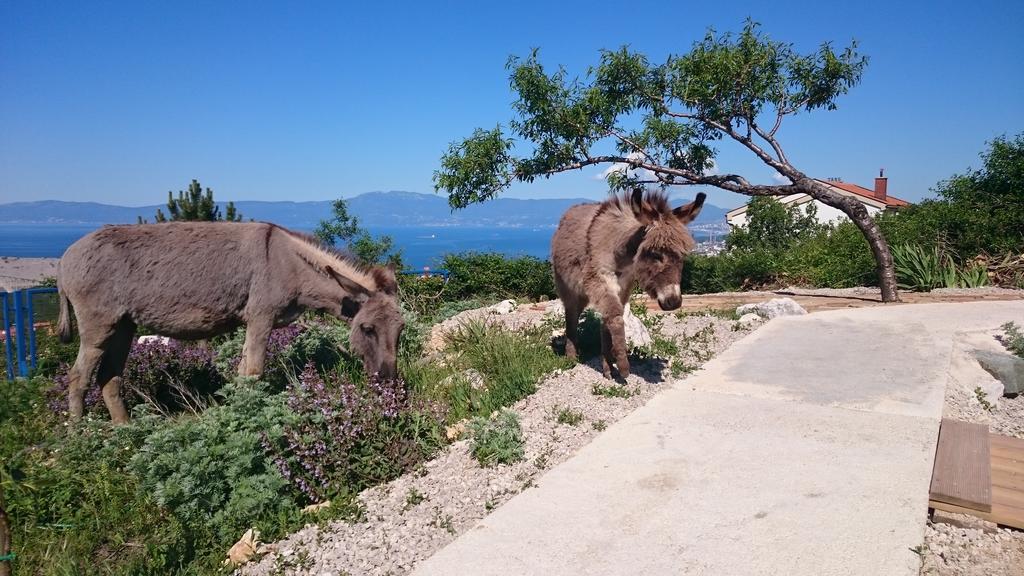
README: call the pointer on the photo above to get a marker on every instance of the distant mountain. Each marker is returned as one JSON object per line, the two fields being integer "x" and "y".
{"x": 374, "y": 210}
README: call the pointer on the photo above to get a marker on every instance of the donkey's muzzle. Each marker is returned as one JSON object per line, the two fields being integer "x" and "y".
{"x": 670, "y": 302}
{"x": 669, "y": 297}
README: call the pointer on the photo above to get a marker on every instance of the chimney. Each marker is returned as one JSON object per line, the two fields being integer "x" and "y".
{"x": 881, "y": 185}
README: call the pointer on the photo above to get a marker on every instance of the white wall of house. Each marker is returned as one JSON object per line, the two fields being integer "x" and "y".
{"x": 825, "y": 214}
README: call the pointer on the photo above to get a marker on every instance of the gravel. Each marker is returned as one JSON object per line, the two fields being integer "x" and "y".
{"x": 452, "y": 492}
{"x": 957, "y": 544}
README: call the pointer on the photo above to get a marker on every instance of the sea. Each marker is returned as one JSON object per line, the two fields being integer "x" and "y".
{"x": 420, "y": 246}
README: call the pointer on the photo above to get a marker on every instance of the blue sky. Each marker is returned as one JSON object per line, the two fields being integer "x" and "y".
{"x": 119, "y": 102}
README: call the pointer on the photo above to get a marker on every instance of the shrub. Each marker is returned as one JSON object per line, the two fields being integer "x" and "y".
{"x": 490, "y": 274}
{"x": 312, "y": 339}
{"x": 422, "y": 295}
{"x": 834, "y": 256}
{"x": 210, "y": 472}
{"x": 168, "y": 376}
{"x": 497, "y": 440}
{"x": 1013, "y": 339}
{"x": 344, "y": 437}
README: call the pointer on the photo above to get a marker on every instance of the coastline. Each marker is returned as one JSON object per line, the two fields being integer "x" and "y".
{"x": 17, "y": 273}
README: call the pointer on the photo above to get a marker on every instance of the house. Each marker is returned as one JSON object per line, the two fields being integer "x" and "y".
{"x": 875, "y": 200}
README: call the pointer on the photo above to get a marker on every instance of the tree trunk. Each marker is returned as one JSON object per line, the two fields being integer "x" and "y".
{"x": 859, "y": 215}
{"x": 5, "y": 538}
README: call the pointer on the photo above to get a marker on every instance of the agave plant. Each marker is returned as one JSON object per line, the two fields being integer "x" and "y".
{"x": 973, "y": 275}
{"x": 923, "y": 269}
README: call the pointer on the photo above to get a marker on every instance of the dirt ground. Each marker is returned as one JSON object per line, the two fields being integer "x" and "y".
{"x": 816, "y": 300}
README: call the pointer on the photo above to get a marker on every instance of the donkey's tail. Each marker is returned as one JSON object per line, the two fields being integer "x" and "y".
{"x": 64, "y": 325}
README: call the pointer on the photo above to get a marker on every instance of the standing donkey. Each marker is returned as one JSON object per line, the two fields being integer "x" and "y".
{"x": 195, "y": 280}
{"x": 599, "y": 251}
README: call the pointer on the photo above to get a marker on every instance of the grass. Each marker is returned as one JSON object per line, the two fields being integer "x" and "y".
{"x": 510, "y": 362}
{"x": 413, "y": 498}
{"x": 983, "y": 399}
{"x": 568, "y": 416}
{"x": 723, "y": 313}
{"x": 613, "y": 391}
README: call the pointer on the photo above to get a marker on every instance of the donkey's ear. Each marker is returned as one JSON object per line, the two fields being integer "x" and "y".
{"x": 636, "y": 202}
{"x": 350, "y": 286}
{"x": 688, "y": 212}
{"x": 384, "y": 277}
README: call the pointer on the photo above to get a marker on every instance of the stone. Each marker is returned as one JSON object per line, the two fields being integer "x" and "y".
{"x": 243, "y": 550}
{"x": 1006, "y": 369}
{"x": 154, "y": 338}
{"x": 773, "y": 308}
{"x": 637, "y": 334}
{"x": 475, "y": 379}
{"x": 314, "y": 508}
{"x": 556, "y": 308}
{"x": 750, "y": 319}
{"x": 504, "y": 307}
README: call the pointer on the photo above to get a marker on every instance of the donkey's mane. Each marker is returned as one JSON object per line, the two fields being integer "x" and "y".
{"x": 320, "y": 255}
{"x": 663, "y": 233}
{"x": 654, "y": 201}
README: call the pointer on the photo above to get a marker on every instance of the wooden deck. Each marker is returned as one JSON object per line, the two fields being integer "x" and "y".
{"x": 959, "y": 482}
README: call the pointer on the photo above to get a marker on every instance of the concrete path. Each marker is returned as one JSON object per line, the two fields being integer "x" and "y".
{"x": 805, "y": 449}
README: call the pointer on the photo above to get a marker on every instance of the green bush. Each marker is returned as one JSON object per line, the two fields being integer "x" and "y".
{"x": 835, "y": 256}
{"x": 211, "y": 474}
{"x": 497, "y": 440}
{"x": 489, "y": 274}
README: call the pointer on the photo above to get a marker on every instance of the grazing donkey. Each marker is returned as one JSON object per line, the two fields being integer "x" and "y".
{"x": 193, "y": 280}
{"x": 600, "y": 251}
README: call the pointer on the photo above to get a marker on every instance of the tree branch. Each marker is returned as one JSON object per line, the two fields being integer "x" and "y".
{"x": 770, "y": 138}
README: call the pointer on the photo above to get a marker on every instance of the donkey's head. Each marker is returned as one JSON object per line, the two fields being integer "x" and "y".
{"x": 377, "y": 325}
{"x": 658, "y": 265}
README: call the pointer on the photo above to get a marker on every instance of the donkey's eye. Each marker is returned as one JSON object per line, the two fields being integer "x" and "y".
{"x": 367, "y": 328}
{"x": 656, "y": 256}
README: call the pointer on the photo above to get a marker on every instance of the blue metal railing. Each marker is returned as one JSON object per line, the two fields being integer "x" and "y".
{"x": 8, "y": 355}
{"x": 16, "y": 352}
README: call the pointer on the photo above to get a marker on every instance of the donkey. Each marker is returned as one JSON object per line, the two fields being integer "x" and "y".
{"x": 194, "y": 280}
{"x": 598, "y": 253}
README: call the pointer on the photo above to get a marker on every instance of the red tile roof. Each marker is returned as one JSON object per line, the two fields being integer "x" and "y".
{"x": 890, "y": 201}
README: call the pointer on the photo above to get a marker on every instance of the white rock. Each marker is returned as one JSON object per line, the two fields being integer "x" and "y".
{"x": 154, "y": 338}
{"x": 750, "y": 319}
{"x": 773, "y": 308}
{"x": 504, "y": 307}
{"x": 636, "y": 333}
{"x": 475, "y": 379}
{"x": 555, "y": 308}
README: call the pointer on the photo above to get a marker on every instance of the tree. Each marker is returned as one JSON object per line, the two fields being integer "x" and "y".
{"x": 343, "y": 227}
{"x": 194, "y": 205}
{"x": 988, "y": 204}
{"x": 659, "y": 123}
{"x": 773, "y": 225}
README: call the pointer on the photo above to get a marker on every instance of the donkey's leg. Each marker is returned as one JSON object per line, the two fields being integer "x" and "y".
{"x": 606, "y": 351}
{"x": 615, "y": 330}
{"x": 254, "y": 351}
{"x": 80, "y": 376}
{"x": 92, "y": 335}
{"x": 111, "y": 369}
{"x": 572, "y": 322}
